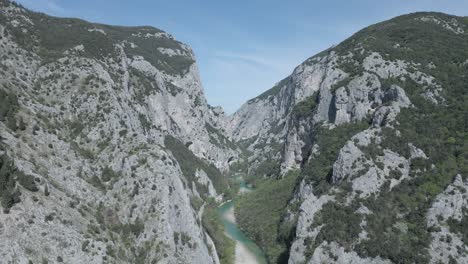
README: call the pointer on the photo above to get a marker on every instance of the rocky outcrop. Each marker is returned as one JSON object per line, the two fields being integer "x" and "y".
{"x": 346, "y": 104}
{"x": 309, "y": 208}
{"x": 450, "y": 206}
{"x": 90, "y": 111}
{"x": 341, "y": 99}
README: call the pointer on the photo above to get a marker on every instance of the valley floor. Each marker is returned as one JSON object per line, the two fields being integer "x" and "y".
{"x": 246, "y": 252}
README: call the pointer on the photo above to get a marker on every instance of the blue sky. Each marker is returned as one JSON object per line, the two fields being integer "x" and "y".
{"x": 243, "y": 47}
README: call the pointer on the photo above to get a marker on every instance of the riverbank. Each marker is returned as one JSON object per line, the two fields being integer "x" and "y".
{"x": 259, "y": 215}
{"x": 246, "y": 251}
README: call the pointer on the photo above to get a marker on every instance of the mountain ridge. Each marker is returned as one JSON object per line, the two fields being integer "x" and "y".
{"x": 345, "y": 120}
{"x": 95, "y": 120}
{"x": 364, "y": 30}
{"x": 110, "y": 152}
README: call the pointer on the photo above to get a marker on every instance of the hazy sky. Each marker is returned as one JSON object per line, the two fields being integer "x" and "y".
{"x": 243, "y": 47}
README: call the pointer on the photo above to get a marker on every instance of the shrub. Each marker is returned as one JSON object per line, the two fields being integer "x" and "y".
{"x": 108, "y": 174}
{"x": 340, "y": 224}
{"x": 84, "y": 246}
{"x": 9, "y": 176}
{"x": 305, "y": 107}
{"x": 123, "y": 132}
{"x": 27, "y": 181}
{"x": 460, "y": 227}
{"x": 318, "y": 169}
{"x": 96, "y": 182}
{"x": 75, "y": 128}
{"x": 395, "y": 174}
{"x": 135, "y": 229}
{"x": 8, "y": 108}
{"x": 49, "y": 217}
{"x": 46, "y": 190}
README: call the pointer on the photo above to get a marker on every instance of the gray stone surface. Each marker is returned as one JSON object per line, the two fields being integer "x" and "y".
{"x": 84, "y": 114}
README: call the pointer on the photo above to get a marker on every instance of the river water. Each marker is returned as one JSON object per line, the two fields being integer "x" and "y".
{"x": 247, "y": 252}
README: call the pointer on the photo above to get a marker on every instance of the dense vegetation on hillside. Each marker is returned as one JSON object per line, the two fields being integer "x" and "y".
{"x": 8, "y": 108}
{"x": 225, "y": 246}
{"x": 50, "y": 39}
{"x": 10, "y": 179}
{"x": 418, "y": 41}
{"x": 396, "y": 228}
{"x": 317, "y": 170}
{"x": 441, "y": 131}
{"x": 259, "y": 214}
{"x": 189, "y": 165}
{"x": 460, "y": 226}
{"x": 211, "y": 221}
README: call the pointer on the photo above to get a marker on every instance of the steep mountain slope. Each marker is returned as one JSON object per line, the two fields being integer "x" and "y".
{"x": 108, "y": 146}
{"x": 109, "y": 152}
{"x": 376, "y": 127}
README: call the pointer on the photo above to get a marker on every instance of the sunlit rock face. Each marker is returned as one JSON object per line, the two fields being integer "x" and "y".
{"x": 86, "y": 113}
{"x": 353, "y": 121}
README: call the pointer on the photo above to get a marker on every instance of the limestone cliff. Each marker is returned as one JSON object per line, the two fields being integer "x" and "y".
{"x": 95, "y": 120}
{"x": 367, "y": 124}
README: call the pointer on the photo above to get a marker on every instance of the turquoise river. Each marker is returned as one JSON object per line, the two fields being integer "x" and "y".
{"x": 247, "y": 252}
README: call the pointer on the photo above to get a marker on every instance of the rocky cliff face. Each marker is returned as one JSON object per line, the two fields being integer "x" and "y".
{"x": 367, "y": 124}
{"x": 109, "y": 149}
{"x": 320, "y": 91}
{"x": 95, "y": 120}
